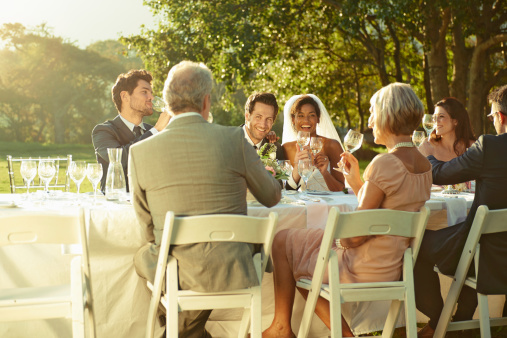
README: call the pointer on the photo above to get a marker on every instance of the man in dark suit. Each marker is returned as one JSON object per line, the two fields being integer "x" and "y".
{"x": 261, "y": 110}
{"x": 132, "y": 96}
{"x": 486, "y": 162}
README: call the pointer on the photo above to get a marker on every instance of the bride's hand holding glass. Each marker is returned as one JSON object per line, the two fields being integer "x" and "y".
{"x": 321, "y": 162}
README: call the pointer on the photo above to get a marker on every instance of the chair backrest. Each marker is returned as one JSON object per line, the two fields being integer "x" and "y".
{"x": 378, "y": 222}
{"x": 35, "y": 228}
{"x": 13, "y": 169}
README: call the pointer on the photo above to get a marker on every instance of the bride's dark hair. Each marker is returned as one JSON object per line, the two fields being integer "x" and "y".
{"x": 300, "y": 102}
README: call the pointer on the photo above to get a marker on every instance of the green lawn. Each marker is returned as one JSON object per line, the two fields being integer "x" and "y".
{"x": 79, "y": 152}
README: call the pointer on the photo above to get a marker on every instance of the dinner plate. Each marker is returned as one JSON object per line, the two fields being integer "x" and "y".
{"x": 8, "y": 204}
{"x": 313, "y": 192}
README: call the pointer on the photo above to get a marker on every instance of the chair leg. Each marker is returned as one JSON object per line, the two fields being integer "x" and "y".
{"x": 77, "y": 295}
{"x": 392, "y": 318}
{"x": 256, "y": 312}
{"x": 245, "y": 323}
{"x": 172, "y": 299}
{"x": 484, "y": 315}
{"x": 447, "y": 311}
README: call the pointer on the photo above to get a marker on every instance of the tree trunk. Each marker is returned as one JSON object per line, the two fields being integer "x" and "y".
{"x": 59, "y": 128}
{"x": 427, "y": 84}
{"x": 460, "y": 65}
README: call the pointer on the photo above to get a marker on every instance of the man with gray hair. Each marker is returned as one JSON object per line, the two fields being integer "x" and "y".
{"x": 196, "y": 168}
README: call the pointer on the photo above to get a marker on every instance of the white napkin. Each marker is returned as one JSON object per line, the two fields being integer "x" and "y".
{"x": 456, "y": 210}
{"x": 316, "y": 214}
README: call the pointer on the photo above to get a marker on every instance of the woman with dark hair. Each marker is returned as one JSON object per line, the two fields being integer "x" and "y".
{"x": 453, "y": 132}
{"x": 307, "y": 113}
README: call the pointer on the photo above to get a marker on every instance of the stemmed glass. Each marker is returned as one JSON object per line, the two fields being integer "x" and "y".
{"x": 158, "y": 104}
{"x": 46, "y": 172}
{"x": 94, "y": 173}
{"x": 351, "y": 142}
{"x": 28, "y": 171}
{"x": 77, "y": 172}
{"x": 418, "y": 137}
{"x": 316, "y": 145}
{"x": 305, "y": 169}
{"x": 303, "y": 138}
{"x": 428, "y": 124}
{"x": 286, "y": 168}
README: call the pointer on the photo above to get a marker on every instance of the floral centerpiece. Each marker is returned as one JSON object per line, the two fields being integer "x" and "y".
{"x": 267, "y": 154}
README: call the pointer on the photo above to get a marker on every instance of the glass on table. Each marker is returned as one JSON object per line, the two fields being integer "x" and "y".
{"x": 286, "y": 169}
{"x": 28, "y": 171}
{"x": 428, "y": 124}
{"x": 305, "y": 170}
{"x": 47, "y": 171}
{"x": 418, "y": 137}
{"x": 352, "y": 142}
{"x": 77, "y": 173}
{"x": 94, "y": 173}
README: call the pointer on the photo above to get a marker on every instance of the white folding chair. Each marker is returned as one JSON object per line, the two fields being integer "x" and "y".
{"x": 363, "y": 223}
{"x": 13, "y": 167}
{"x": 210, "y": 228}
{"x": 54, "y": 301}
{"x": 485, "y": 222}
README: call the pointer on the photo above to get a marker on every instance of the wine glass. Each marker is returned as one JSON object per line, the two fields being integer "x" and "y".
{"x": 316, "y": 145}
{"x": 158, "y": 104}
{"x": 428, "y": 124}
{"x": 305, "y": 169}
{"x": 77, "y": 173}
{"x": 286, "y": 169}
{"x": 46, "y": 172}
{"x": 351, "y": 143}
{"x": 28, "y": 171}
{"x": 210, "y": 118}
{"x": 418, "y": 137}
{"x": 303, "y": 138}
{"x": 94, "y": 173}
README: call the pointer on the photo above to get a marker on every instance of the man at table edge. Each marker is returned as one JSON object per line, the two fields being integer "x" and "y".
{"x": 486, "y": 162}
{"x": 197, "y": 168}
{"x": 132, "y": 95}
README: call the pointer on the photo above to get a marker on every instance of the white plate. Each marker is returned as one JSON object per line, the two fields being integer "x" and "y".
{"x": 9, "y": 204}
{"x": 319, "y": 192}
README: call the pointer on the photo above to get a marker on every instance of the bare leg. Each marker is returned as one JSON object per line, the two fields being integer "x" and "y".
{"x": 285, "y": 290}
{"x": 322, "y": 310}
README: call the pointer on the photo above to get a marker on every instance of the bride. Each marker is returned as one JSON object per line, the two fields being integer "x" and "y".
{"x": 307, "y": 113}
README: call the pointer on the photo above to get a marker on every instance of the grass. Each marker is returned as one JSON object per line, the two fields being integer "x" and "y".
{"x": 79, "y": 152}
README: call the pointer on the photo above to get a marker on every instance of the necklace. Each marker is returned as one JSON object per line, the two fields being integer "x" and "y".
{"x": 402, "y": 145}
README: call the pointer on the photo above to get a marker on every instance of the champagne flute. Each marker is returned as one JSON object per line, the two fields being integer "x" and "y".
{"x": 418, "y": 137}
{"x": 305, "y": 169}
{"x": 46, "y": 172}
{"x": 316, "y": 144}
{"x": 77, "y": 172}
{"x": 28, "y": 171}
{"x": 94, "y": 173}
{"x": 286, "y": 169}
{"x": 351, "y": 143}
{"x": 428, "y": 124}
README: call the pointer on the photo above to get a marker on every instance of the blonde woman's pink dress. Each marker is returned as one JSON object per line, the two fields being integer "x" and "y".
{"x": 379, "y": 258}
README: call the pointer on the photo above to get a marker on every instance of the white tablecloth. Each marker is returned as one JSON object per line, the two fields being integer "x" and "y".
{"x": 121, "y": 300}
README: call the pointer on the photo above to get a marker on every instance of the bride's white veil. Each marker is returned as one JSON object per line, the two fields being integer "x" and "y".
{"x": 324, "y": 128}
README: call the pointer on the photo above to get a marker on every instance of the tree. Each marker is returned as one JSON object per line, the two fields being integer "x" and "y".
{"x": 60, "y": 91}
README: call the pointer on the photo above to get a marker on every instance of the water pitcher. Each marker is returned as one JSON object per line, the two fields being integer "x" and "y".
{"x": 115, "y": 179}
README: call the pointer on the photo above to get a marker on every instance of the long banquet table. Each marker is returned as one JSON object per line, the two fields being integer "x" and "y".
{"x": 121, "y": 298}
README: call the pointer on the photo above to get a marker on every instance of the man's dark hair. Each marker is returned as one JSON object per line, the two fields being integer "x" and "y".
{"x": 499, "y": 96}
{"x": 128, "y": 82}
{"x": 266, "y": 98}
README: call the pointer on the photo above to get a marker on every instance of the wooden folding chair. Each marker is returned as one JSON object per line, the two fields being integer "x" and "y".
{"x": 363, "y": 223}
{"x": 15, "y": 183}
{"x": 210, "y": 228}
{"x": 54, "y": 301}
{"x": 485, "y": 222}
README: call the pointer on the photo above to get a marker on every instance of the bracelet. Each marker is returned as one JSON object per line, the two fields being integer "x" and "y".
{"x": 340, "y": 246}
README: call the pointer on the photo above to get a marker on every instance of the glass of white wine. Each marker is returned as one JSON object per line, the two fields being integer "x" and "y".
{"x": 305, "y": 169}
{"x": 28, "y": 172}
{"x": 94, "y": 173}
{"x": 352, "y": 141}
{"x": 428, "y": 124}
{"x": 316, "y": 144}
{"x": 303, "y": 138}
{"x": 418, "y": 137}
{"x": 286, "y": 168}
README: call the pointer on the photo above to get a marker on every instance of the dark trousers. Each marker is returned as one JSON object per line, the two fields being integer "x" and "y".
{"x": 191, "y": 324}
{"x": 436, "y": 250}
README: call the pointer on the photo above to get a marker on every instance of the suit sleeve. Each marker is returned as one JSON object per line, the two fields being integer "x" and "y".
{"x": 261, "y": 184}
{"x": 140, "y": 201}
{"x": 105, "y": 136}
{"x": 466, "y": 167}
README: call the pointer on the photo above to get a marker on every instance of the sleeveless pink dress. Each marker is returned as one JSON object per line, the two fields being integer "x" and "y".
{"x": 379, "y": 258}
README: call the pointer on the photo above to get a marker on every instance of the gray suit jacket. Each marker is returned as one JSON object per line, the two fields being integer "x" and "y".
{"x": 197, "y": 168}
{"x": 115, "y": 134}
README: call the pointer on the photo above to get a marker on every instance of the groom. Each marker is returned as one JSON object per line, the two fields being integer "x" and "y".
{"x": 196, "y": 168}
{"x": 261, "y": 110}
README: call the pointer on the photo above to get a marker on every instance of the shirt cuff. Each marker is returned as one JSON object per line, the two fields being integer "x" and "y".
{"x": 153, "y": 131}
{"x": 292, "y": 183}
